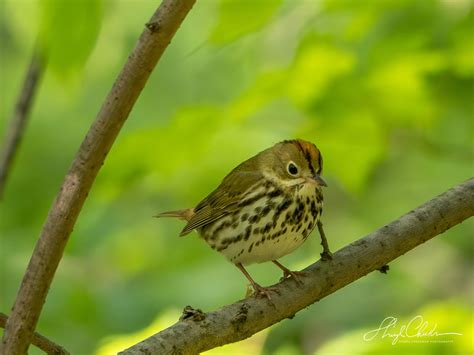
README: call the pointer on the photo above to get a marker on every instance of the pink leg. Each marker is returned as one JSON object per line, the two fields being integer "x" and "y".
{"x": 288, "y": 273}
{"x": 259, "y": 290}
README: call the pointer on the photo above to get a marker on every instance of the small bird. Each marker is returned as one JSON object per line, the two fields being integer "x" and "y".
{"x": 264, "y": 208}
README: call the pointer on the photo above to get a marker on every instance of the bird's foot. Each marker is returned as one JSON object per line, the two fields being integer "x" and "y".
{"x": 326, "y": 255}
{"x": 287, "y": 273}
{"x": 295, "y": 275}
{"x": 260, "y": 291}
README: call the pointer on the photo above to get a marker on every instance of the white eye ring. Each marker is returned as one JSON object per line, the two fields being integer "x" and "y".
{"x": 292, "y": 168}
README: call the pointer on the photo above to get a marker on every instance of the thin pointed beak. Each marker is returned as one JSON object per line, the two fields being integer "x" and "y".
{"x": 319, "y": 180}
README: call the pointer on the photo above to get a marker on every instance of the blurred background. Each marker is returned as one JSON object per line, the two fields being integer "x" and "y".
{"x": 383, "y": 87}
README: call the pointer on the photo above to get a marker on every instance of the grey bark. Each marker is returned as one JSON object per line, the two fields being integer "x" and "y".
{"x": 197, "y": 331}
{"x": 38, "y": 340}
{"x": 78, "y": 181}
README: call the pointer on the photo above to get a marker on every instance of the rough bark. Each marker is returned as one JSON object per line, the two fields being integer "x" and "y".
{"x": 38, "y": 340}
{"x": 78, "y": 181}
{"x": 197, "y": 331}
{"x": 19, "y": 117}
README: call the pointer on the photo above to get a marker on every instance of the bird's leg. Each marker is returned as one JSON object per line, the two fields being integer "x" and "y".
{"x": 259, "y": 290}
{"x": 326, "y": 254}
{"x": 287, "y": 273}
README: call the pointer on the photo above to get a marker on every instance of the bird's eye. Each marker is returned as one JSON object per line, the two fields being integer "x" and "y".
{"x": 292, "y": 168}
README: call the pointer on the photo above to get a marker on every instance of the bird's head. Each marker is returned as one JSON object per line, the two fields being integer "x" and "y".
{"x": 294, "y": 162}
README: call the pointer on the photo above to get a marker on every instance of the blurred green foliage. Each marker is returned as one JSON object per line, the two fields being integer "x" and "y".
{"x": 407, "y": 334}
{"x": 67, "y": 33}
{"x": 238, "y": 18}
{"x": 384, "y": 88}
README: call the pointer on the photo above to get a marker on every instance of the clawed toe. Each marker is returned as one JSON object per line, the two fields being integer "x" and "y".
{"x": 287, "y": 273}
{"x": 326, "y": 256}
{"x": 260, "y": 291}
{"x": 296, "y": 275}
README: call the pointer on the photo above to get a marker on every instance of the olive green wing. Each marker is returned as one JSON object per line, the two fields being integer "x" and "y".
{"x": 223, "y": 200}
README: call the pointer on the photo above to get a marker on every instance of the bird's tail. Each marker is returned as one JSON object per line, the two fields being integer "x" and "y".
{"x": 185, "y": 214}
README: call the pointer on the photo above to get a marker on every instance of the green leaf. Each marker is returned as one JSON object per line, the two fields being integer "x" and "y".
{"x": 241, "y": 17}
{"x": 315, "y": 68}
{"x": 351, "y": 146}
{"x": 68, "y": 32}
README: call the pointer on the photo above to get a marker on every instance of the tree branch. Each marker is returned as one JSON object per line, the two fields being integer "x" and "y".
{"x": 244, "y": 318}
{"x": 19, "y": 117}
{"x": 39, "y": 340}
{"x": 78, "y": 181}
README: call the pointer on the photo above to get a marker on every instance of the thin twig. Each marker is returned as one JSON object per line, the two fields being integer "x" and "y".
{"x": 19, "y": 117}
{"x": 38, "y": 340}
{"x": 78, "y": 181}
{"x": 249, "y": 316}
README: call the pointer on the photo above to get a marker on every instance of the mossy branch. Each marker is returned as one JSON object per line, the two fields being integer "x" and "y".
{"x": 38, "y": 340}
{"x": 244, "y": 318}
{"x": 76, "y": 186}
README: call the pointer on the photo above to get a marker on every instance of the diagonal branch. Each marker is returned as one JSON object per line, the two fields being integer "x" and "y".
{"x": 19, "y": 117}
{"x": 244, "y": 318}
{"x": 78, "y": 181}
{"x": 39, "y": 340}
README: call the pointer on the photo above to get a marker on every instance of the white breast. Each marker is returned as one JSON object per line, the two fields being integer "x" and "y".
{"x": 265, "y": 235}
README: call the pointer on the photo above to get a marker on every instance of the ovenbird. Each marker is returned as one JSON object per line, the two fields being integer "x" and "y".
{"x": 264, "y": 208}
